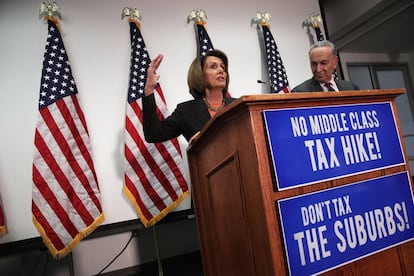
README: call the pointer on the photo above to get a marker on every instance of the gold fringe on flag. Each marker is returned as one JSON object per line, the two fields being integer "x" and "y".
{"x": 57, "y": 254}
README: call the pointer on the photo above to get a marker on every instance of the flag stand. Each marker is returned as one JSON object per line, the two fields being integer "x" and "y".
{"x": 157, "y": 251}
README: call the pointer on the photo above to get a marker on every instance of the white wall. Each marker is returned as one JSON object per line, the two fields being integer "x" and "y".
{"x": 97, "y": 42}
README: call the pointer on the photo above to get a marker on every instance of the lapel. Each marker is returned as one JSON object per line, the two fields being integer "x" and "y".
{"x": 315, "y": 86}
{"x": 202, "y": 113}
{"x": 341, "y": 85}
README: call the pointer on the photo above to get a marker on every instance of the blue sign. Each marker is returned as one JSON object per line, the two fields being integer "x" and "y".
{"x": 327, "y": 229}
{"x": 312, "y": 144}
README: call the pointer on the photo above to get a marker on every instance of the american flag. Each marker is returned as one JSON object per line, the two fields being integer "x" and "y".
{"x": 154, "y": 177}
{"x": 204, "y": 42}
{"x": 2, "y": 224}
{"x": 277, "y": 73}
{"x": 65, "y": 194}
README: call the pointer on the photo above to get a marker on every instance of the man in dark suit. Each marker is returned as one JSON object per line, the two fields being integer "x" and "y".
{"x": 323, "y": 61}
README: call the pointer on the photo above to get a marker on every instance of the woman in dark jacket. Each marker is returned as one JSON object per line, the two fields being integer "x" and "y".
{"x": 208, "y": 82}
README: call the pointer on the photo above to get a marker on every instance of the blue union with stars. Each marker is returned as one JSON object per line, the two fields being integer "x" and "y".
{"x": 140, "y": 62}
{"x": 57, "y": 81}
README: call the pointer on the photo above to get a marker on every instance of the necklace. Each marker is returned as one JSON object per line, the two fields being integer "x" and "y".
{"x": 213, "y": 108}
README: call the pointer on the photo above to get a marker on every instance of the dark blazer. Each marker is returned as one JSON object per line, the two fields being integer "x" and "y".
{"x": 311, "y": 85}
{"x": 187, "y": 119}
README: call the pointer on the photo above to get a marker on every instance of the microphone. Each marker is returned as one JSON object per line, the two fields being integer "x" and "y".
{"x": 262, "y": 82}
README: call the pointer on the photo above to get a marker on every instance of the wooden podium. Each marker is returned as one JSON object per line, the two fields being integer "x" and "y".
{"x": 235, "y": 193}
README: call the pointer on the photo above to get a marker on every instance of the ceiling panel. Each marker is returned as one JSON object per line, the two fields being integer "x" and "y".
{"x": 386, "y": 28}
{"x": 395, "y": 35}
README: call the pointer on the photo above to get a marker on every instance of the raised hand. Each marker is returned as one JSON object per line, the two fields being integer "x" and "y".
{"x": 152, "y": 75}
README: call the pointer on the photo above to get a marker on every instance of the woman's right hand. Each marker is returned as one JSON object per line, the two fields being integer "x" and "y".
{"x": 193, "y": 138}
{"x": 152, "y": 75}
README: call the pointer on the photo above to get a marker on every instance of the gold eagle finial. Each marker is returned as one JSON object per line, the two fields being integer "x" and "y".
{"x": 133, "y": 14}
{"x": 48, "y": 9}
{"x": 316, "y": 19}
{"x": 261, "y": 18}
{"x": 198, "y": 16}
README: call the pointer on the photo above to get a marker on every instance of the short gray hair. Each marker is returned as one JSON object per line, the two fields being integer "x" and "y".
{"x": 323, "y": 43}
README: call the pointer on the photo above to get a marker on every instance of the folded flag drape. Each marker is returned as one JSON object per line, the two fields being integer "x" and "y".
{"x": 277, "y": 73}
{"x": 2, "y": 222}
{"x": 204, "y": 42}
{"x": 154, "y": 175}
{"x": 319, "y": 34}
{"x": 65, "y": 193}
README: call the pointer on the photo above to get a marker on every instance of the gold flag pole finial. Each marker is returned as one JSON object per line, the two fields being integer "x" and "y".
{"x": 198, "y": 16}
{"x": 133, "y": 13}
{"x": 261, "y": 18}
{"x": 316, "y": 19}
{"x": 50, "y": 10}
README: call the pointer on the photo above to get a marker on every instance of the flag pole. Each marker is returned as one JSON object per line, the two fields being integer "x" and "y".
{"x": 71, "y": 268}
{"x": 157, "y": 250}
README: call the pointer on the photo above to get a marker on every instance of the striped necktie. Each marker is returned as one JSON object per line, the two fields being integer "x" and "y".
{"x": 329, "y": 86}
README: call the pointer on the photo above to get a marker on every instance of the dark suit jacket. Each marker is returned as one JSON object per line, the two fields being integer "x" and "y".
{"x": 311, "y": 85}
{"x": 187, "y": 119}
